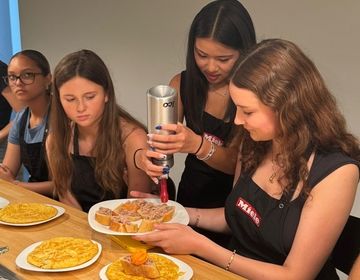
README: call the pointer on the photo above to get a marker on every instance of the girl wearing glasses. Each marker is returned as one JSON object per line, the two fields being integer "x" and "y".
{"x": 29, "y": 79}
{"x": 92, "y": 140}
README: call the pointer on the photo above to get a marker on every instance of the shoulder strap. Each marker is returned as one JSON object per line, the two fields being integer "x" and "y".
{"x": 22, "y": 126}
{"x": 43, "y": 145}
{"x": 76, "y": 141}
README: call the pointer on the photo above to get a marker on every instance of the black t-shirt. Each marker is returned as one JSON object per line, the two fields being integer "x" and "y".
{"x": 5, "y": 108}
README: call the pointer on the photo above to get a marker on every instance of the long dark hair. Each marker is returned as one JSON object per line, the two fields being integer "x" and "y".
{"x": 287, "y": 81}
{"x": 108, "y": 149}
{"x": 227, "y": 22}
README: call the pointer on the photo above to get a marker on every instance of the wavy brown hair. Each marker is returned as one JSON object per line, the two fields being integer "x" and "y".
{"x": 108, "y": 153}
{"x": 287, "y": 81}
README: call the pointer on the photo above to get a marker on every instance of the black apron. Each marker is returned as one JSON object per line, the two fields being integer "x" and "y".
{"x": 83, "y": 185}
{"x": 33, "y": 155}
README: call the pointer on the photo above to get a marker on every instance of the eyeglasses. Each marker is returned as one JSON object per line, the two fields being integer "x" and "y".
{"x": 26, "y": 78}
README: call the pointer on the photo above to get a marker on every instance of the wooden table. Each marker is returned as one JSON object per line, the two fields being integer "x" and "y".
{"x": 74, "y": 223}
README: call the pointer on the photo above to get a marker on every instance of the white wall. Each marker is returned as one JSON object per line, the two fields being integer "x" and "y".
{"x": 144, "y": 42}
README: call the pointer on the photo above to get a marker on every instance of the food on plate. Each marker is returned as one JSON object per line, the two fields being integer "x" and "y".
{"x": 62, "y": 252}
{"x": 23, "y": 213}
{"x": 139, "y": 264}
{"x": 119, "y": 223}
{"x": 152, "y": 212}
{"x": 142, "y": 265}
{"x": 103, "y": 216}
{"x": 128, "y": 206}
{"x": 147, "y": 224}
{"x": 134, "y": 216}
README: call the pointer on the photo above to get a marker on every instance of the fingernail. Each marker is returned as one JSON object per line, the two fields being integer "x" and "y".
{"x": 156, "y": 181}
{"x": 149, "y": 136}
{"x": 149, "y": 142}
{"x": 158, "y": 127}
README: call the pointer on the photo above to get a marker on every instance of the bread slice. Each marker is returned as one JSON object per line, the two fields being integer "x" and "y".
{"x": 148, "y": 224}
{"x": 116, "y": 224}
{"x": 131, "y": 227}
{"x": 147, "y": 269}
{"x": 103, "y": 216}
{"x": 130, "y": 216}
{"x": 168, "y": 213}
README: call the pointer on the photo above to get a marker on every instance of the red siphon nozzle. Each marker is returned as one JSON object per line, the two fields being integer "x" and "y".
{"x": 164, "y": 196}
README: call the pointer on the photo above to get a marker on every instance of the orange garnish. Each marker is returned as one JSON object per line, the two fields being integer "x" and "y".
{"x": 130, "y": 207}
{"x": 139, "y": 257}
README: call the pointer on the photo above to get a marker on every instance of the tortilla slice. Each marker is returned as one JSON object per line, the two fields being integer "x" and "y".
{"x": 22, "y": 213}
{"x": 62, "y": 252}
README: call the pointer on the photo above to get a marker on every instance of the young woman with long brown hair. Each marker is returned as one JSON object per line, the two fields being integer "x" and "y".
{"x": 92, "y": 140}
{"x": 296, "y": 177}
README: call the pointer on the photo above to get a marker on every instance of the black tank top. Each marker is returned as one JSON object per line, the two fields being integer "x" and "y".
{"x": 33, "y": 154}
{"x": 84, "y": 186}
{"x": 5, "y": 108}
{"x": 263, "y": 227}
{"x": 202, "y": 186}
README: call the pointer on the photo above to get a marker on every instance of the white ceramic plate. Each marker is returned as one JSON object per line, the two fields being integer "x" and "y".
{"x": 183, "y": 267}
{"x": 3, "y": 202}
{"x": 21, "y": 260}
{"x": 180, "y": 215}
{"x": 59, "y": 209}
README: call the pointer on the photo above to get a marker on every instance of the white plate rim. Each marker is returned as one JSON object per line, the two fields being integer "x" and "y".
{"x": 181, "y": 216}
{"x": 60, "y": 211}
{"x": 21, "y": 260}
{"x": 3, "y": 202}
{"x": 183, "y": 267}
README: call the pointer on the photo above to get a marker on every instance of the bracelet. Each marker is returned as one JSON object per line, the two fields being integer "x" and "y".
{"x": 197, "y": 220}
{"x": 135, "y": 156}
{"x": 230, "y": 260}
{"x": 210, "y": 153}
{"x": 201, "y": 143}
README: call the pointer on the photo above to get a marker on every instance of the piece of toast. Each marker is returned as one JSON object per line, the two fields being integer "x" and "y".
{"x": 131, "y": 227}
{"x": 147, "y": 269}
{"x": 148, "y": 224}
{"x": 129, "y": 216}
{"x": 103, "y": 216}
{"x": 116, "y": 224}
{"x": 168, "y": 213}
